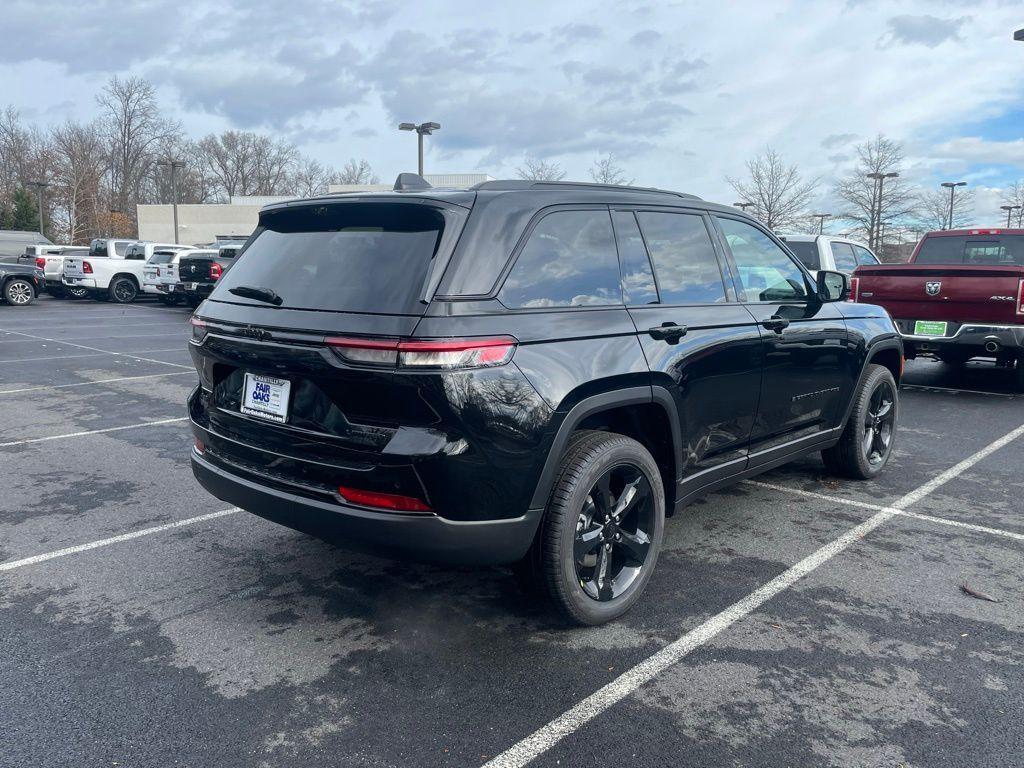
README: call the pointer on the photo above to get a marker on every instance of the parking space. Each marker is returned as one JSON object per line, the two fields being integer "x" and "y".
{"x": 793, "y": 620}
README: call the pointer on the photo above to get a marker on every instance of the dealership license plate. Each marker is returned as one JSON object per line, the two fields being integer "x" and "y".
{"x": 266, "y": 397}
{"x": 929, "y": 328}
{"x": 190, "y": 286}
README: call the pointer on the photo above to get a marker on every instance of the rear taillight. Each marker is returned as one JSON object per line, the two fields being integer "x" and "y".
{"x": 40, "y": 263}
{"x": 435, "y": 354}
{"x": 199, "y": 328}
{"x": 1020, "y": 297}
{"x": 216, "y": 271}
{"x": 86, "y": 268}
{"x": 854, "y": 289}
{"x": 390, "y": 501}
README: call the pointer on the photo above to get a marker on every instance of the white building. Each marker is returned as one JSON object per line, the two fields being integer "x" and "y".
{"x": 206, "y": 222}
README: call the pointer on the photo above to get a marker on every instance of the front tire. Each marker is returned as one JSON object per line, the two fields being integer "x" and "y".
{"x": 19, "y": 292}
{"x": 603, "y": 527}
{"x": 123, "y": 290}
{"x": 866, "y": 444}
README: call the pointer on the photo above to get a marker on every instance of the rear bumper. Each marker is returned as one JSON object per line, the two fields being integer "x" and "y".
{"x": 415, "y": 536}
{"x": 969, "y": 337}
{"x": 153, "y": 288}
{"x": 79, "y": 282}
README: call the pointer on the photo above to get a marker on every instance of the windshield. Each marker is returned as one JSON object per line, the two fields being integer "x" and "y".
{"x": 993, "y": 250}
{"x": 346, "y": 257}
{"x": 806, "y": 251}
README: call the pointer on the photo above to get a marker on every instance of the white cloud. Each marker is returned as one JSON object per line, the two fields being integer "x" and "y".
{"x": 973, "y": 149}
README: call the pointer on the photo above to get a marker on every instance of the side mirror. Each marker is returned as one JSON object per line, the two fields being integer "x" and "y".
{"x": 833, "y": 286}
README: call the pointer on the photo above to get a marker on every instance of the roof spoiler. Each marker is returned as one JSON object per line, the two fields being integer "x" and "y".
{"x": 407, "y": 182}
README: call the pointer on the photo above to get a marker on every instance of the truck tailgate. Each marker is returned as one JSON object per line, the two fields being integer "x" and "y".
{"x": 73, "y": 267}
{"x": 961, "y": 294}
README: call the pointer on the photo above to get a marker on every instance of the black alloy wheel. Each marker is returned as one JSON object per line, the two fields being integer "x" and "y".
{"x": 879, "y": 423}
{"x": 613, "y": 532}
{"x": 123, "y": 291}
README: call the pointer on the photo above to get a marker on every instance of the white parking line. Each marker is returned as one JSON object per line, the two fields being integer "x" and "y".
{"x": 547, "y": 736}
{"x": 11, "y": 565}
{"x": 100, "y": 354}
{"x": 92, "y": 432}
{"x": 876, "y": 507}
{"x": 927, "y": 388}
{"x": 91, "y": 383}
{"x": 106, "y": 351}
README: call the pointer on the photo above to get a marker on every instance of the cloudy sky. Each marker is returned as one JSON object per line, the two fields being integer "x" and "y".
{"x": 681, "y": 92}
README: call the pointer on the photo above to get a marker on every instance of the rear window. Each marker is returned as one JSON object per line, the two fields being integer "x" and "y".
{"x": 347, "y": 257}
{"x": 119, "y": 249}
{"x": 806, "y": 252}
{"x": 162, "y": 257}
{"x": 98, "y": 248}
{"x": 972, "y": 250}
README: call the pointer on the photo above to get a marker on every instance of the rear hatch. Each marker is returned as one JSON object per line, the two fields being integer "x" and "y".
{"x": 336, "y": 271}
{"x": 956, "y": 278}
{"x": 158, "y": 261}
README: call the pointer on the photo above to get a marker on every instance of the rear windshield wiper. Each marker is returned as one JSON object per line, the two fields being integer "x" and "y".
{"x": 260, "y": 294}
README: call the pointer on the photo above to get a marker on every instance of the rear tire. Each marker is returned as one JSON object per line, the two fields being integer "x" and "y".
{"x": 866, "y": 444}
{"x": 75, "y": 293}
{"x": 123, "y": 290}
{"x": 601, "y": 533}
{"x": 19, "y": 292}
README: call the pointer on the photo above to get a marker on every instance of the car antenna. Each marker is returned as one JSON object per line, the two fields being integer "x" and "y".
{"x": 410, "y": 181}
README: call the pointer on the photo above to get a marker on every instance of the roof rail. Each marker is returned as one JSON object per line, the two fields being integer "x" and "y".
{"x": 410, "y": 181}
{"x": 514, "y": 184}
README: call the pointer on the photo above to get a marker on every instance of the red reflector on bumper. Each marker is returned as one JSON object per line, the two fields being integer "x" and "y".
{"x": 392, "y": 501}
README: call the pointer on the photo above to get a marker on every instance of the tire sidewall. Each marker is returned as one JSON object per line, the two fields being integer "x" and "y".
{"x": 877, "y": 375}
{"x": 14, "y": 281}
{"x": 113, "y": 291}
{"x": 583, "y": 607}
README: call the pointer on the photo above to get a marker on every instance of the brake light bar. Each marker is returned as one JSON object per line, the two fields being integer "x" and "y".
{"x": 438, "y": 354}
{"x": 86, "y": 268}
{"x": 391, "y": 501}
{"x": 1020, "y": 297}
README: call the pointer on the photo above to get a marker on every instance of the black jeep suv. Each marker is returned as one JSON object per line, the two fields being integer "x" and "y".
{"x": 530, "y": 373}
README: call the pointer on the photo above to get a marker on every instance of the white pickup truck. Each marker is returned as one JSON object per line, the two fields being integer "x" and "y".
{"x": 836, "y": 254}
{"x": 117, "y": 273}
{"x": 50, "y": 259}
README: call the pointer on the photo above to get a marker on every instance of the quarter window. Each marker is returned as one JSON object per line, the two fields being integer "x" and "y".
{"x": 684, "y": 258}
{"x": 569, "y": 261}
{"x": 765, "y": 271}
{"x": 846, "y": 261}
{"x": 864, "y": 256}
{"x": 637, "y": 278}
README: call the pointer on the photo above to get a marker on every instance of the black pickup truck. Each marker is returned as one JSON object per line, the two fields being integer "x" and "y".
{"x": 199, "y": 273}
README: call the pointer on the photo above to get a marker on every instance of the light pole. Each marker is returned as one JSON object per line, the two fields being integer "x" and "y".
{"x": 875, "y": 227}
{"x": 1009, "y": 208}
{"x": 952, "y": 185}
{"x": 743, "y": 206}
{"x": 173, "y": 165}
{"x": 40, "y": 185}
{"x": 821, "y": 220}
{"x": 423, "y": 129}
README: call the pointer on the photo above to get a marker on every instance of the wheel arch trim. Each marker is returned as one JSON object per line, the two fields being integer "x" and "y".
{"x": 872, "y": 352}
{"x": 606, "y": 401}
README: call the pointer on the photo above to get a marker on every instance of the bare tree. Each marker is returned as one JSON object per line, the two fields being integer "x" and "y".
{"x": 25, "y": 155}
{"x": 1014, "y": 195}
{"x": 535, "y": 169}
{"x": 80, "y": 159}
{"x": 606, "y": 171}
{"x": 354, "y": 172}
{"x": 134, "y": 129}
{"x": 246, "y": 163}
{"x": 933, "y": 209}
{"x": 778, "y": 194}
{"x": 869, "y": 215}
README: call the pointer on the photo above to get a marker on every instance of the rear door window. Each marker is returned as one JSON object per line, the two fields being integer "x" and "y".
{"x": 638, "y": 285}
{"x": 135, "y": 253}
{"x": 345, "y": 257}
{"x": 845, "y": 258}
{"x": 569, "y": 260}
{"x": 806, "y": 251}
{"x": 864, "y": 256}
{"x": 119, "y": 249}
{"x": 684, "y": 258}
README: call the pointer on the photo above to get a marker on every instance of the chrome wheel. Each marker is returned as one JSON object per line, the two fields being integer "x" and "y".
{"x": 613, "y": 533}
{"x": 879, "y": 422}
{"x": 76, "y": 293}
{"x": 19, "y": 293}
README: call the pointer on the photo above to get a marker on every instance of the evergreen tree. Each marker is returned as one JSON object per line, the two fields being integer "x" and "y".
{"x": 6, "y": 218}
{"x": 25, "y": 216}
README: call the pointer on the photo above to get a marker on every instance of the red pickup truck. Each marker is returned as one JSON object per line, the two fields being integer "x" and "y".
{"x": 960, "y": 296}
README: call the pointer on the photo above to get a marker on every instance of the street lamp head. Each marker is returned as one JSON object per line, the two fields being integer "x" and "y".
{"x": 950, "y": 184}
{"x": 431, "y": 126}
{"x": 1019, "y": 35}
{"x": 891, "y": 175}
{"x": 407, "y": 126}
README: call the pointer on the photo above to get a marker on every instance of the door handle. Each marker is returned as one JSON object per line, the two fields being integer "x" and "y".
{"x": 775, "y": 323}
{"x": 668, "y": 331}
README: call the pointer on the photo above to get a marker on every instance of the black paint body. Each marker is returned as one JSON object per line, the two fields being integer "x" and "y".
{"x": 727, "y": 399}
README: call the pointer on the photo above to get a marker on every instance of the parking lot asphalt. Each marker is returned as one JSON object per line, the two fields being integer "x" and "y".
{"x": 796, "y": 620}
